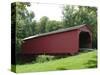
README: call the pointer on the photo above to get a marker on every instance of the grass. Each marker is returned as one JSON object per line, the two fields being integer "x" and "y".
{"x": 80, "y": 61}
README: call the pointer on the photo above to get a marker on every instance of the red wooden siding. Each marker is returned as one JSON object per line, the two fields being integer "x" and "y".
{"x": 57, "y": 43}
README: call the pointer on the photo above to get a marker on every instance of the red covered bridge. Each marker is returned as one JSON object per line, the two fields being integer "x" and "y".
{"x": 63, "y": 41}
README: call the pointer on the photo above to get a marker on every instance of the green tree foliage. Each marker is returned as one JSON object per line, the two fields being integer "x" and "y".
{"x": 46, "y": 25}
{"x": 77, "y": 15}
{"x": 53, "y": 25}
{"x": 42, "y": 24}
{"x": 24, "y": 22}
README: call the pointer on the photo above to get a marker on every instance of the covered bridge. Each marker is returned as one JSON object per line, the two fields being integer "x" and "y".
{"x": 63, "y": 41}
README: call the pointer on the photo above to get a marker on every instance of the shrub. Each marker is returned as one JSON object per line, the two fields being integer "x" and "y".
{"x": 44, "y": 58}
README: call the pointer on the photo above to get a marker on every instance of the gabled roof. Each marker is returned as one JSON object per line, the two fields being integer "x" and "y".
{"x": 57, "y": 31}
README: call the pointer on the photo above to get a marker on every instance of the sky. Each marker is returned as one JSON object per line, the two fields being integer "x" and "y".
{"x": 52, "y": 11}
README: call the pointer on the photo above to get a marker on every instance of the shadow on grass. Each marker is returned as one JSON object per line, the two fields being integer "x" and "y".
{"x": 92, "y": 63}
{"x": 61, "y": 68}
{"x": 20, "y": 60}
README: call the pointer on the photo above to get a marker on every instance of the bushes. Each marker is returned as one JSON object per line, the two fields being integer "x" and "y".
{"x": 44, "y": 58}
{"x": 25, "y": 58}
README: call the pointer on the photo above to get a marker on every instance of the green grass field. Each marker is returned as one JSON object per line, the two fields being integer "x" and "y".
{"x": 79, "y": 61}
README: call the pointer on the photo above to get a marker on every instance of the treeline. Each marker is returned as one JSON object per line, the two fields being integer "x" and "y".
{"x": 72, "y": 16}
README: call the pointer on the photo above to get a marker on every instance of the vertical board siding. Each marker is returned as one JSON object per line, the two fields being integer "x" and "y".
{"x": 64, "y": 42}
{"x": 58, "y": 43}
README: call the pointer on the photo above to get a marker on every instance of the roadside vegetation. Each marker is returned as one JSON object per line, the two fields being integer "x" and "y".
{"x": 81, "y": 61}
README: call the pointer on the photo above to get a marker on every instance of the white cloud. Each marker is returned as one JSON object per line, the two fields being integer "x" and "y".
{"x": 54, "y": 12}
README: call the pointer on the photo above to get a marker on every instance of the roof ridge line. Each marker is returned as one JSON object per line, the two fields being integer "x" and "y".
{"x": 56, "y": 31}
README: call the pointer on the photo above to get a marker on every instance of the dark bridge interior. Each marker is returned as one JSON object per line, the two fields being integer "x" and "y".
{"x": 84, "y": 40}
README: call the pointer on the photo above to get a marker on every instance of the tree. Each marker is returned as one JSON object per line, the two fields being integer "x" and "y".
{"x": 23, "y": 19}
{"x": 42, "y": 24}
{"x": 53, "y": 25}
{"x": 77, "y": 15}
